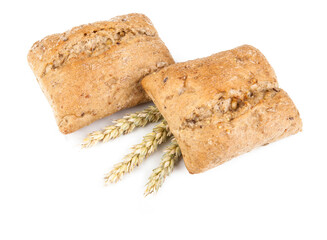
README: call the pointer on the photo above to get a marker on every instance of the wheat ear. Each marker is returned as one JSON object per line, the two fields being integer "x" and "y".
{"x": 123, "y": 126}
{"x": 159, "y": 134}
{"x": 159, "y": 174}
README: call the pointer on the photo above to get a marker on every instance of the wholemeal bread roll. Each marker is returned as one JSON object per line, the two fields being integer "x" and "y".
{"x": 222, "y": 106}
{"x": 94, "y": 70}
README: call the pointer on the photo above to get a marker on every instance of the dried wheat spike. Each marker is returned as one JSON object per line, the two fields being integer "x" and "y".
{"x": 123, "y": 126}
{"x": 159, "y": 134}
{"x": 168, "y": 161}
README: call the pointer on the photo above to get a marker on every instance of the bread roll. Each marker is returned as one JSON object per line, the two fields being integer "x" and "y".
{"x": 221, "y": 106}
{"x": 94, "y": 70}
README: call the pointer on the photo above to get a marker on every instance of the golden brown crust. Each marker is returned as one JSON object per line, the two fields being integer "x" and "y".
{"x": 222, "y": 106}
{"x": 94, "y": 70}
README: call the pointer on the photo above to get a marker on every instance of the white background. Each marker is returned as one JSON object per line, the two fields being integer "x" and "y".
{"x": 51, "y": 189}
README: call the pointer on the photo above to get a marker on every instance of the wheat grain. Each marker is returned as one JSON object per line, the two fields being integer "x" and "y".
{"x": 123, "y": 126}
{"x": 159, "y": 134}
{"x": 159, "y": 174}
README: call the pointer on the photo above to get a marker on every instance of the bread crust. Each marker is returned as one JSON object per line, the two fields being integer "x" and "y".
{"x": 222, "y": 106}
{"x": 94, "y": 70}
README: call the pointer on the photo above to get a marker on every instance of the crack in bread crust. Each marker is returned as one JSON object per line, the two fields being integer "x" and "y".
{"x": 97, "y": 42}
{"x": 86, "y": 41}
{"x": 225, "y": 108}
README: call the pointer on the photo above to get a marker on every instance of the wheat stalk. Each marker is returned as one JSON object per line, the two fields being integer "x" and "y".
{"x": 159, "y": 174}
{"x": 123, "y": 126}
{"x": 159, "y": 134}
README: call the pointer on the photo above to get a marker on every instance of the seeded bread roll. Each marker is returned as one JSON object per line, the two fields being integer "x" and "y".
{"x": 222, "y": 106}
{"x": 94, "y": 70}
